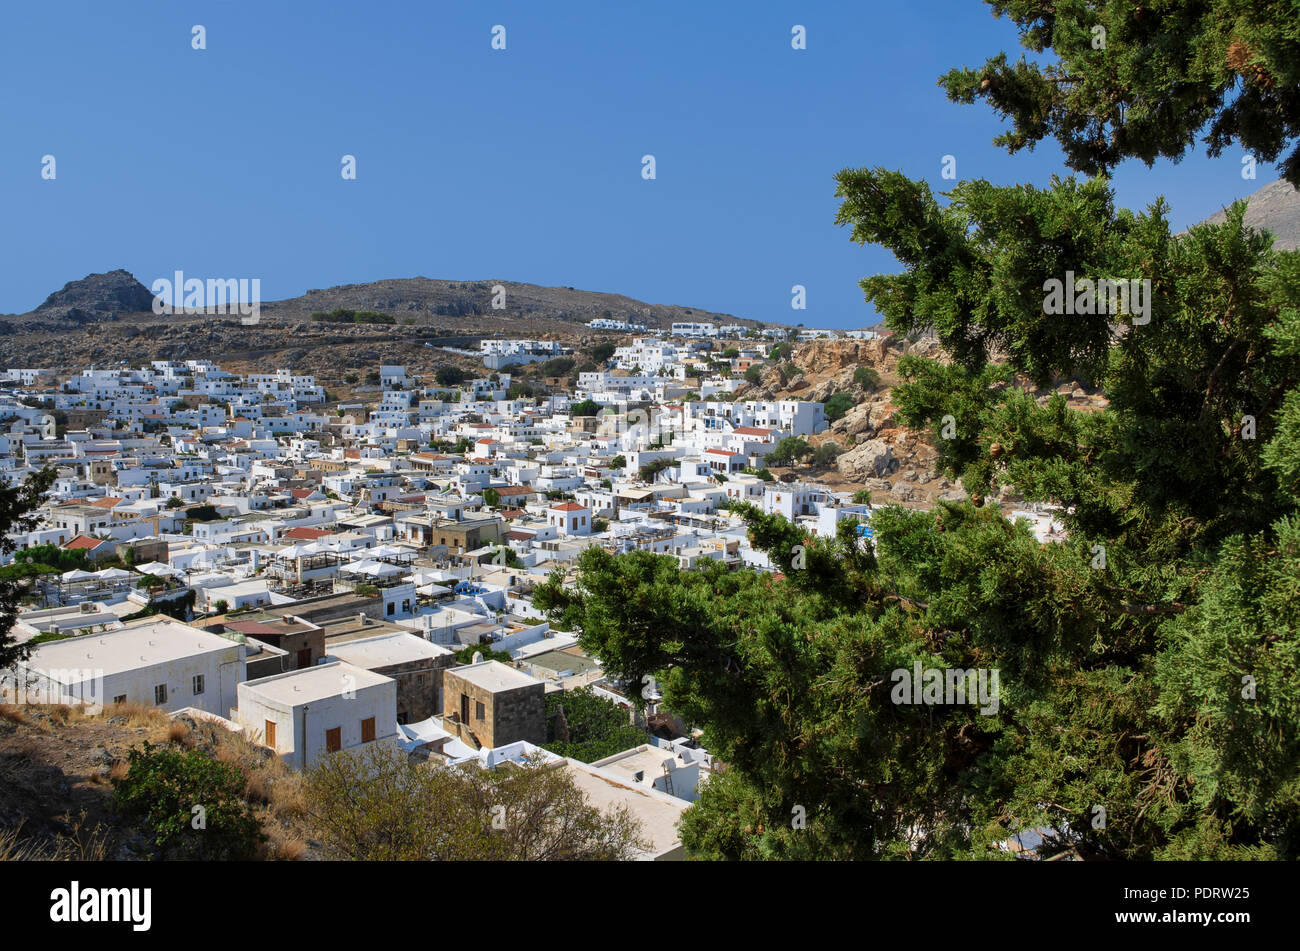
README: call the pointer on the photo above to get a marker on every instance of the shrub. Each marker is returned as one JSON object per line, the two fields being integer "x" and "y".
{"x": 866, "y": 377}
{"x": 466, "y": 654}
{"x": 379, "y": 804}
{"x": 838, "y": 405}
{"x": 192, "y": 804}
{"x": 827, "y": 453}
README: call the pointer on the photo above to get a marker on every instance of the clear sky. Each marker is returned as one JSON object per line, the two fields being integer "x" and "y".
{"x": 520, "y": 164}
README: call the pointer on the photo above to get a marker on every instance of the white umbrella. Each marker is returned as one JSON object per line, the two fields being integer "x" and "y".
{"x": 375, "y": 569}
{"x": 76, "y": 574}
{"x": 158, "y": 569}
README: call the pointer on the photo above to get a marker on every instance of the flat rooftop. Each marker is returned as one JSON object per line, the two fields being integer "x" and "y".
{"x": 644, "y": 759}
{"x": 494, "y": 675}
{"x": 349, "y": 628}
{"x": 139, "y": 644}
{"x": 564, "y": 660}
{"x": 312, "y": 684}
{"x": 658, "y": 812}
{"x": 384, "y": 650}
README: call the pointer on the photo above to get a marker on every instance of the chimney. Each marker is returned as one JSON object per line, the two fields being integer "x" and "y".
{"x": 478, "y": 658}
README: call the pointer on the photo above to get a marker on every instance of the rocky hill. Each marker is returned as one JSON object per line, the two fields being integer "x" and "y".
{"x": 1275, "y": 208}
{"x": 97, "y": 297}
{"x": 108, "y": 318}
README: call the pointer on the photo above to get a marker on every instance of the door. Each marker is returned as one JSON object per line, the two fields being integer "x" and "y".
{"x": 270, "y": 733}
{"x": 304, "y": 658}
{"x": 464, "y": 708}
{"x": 333, "y": 740}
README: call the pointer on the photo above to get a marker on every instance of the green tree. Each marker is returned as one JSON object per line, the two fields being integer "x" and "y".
{"x": 827, "y": 453}
{"x": 585, "y": 408}
{"x": 596, "y": 726}
{"x": 450, "y": 376}
{"x": 1142, "y": 80}
{"x": 790, "y": 450}
{"x": 18, "y": 505}
{"x": 1140, "y": 659}
{"x": 618, "y": 462}
{"x": 466, "y": 654}
{"x": 491, "y": 498}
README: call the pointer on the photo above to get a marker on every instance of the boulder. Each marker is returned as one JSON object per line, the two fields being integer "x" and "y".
{"x": 873, "y": 458}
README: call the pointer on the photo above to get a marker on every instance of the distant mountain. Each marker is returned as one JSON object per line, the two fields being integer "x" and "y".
{"x": 428, "y": 299}
{"x": 433, "y": 304}
{"x": 97, "y": 296}
{"x": 108, "y": 318}
{"x": 1275, "y": 208}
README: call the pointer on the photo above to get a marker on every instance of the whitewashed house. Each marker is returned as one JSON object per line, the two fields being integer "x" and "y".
{"x": 305, "y": 714}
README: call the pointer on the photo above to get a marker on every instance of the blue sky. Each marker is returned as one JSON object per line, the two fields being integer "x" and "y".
{"x": 474, "y": 164}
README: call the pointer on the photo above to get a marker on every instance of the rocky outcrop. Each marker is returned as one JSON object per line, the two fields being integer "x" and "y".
{"x": 871, "y": 459}
{"x": 97, "y": 295}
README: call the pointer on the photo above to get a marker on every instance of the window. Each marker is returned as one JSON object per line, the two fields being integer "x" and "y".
{"x": 160, "y": 693}
{"x": 198, "y": 684}
{"x": 120, "y": 698}
{"x": 333, "y": 740}
{"x": 478, "y": 709}
{"x": 367, "y": 729}
{"x": 270, "y": 733}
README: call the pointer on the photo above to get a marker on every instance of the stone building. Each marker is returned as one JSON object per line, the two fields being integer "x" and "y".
{"x": 490, "y": 704}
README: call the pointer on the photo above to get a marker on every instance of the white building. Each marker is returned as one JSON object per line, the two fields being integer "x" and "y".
{"x": 156, "y": 661}
{"x": 305, "y": 714}
{"x": 692, "y": 329}
{"x": 569, "y": 518}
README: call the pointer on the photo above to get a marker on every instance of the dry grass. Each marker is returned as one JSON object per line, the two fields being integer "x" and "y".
{"x": 288, "y": 800}
{"x": 284, "y": 846}
{"x": 82, "y": 844}
{"x": 138, "y": 715}
{"x": 178, "y": 732}
{"x": 63, "y": 714}
{"x": 272, "y": 790}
